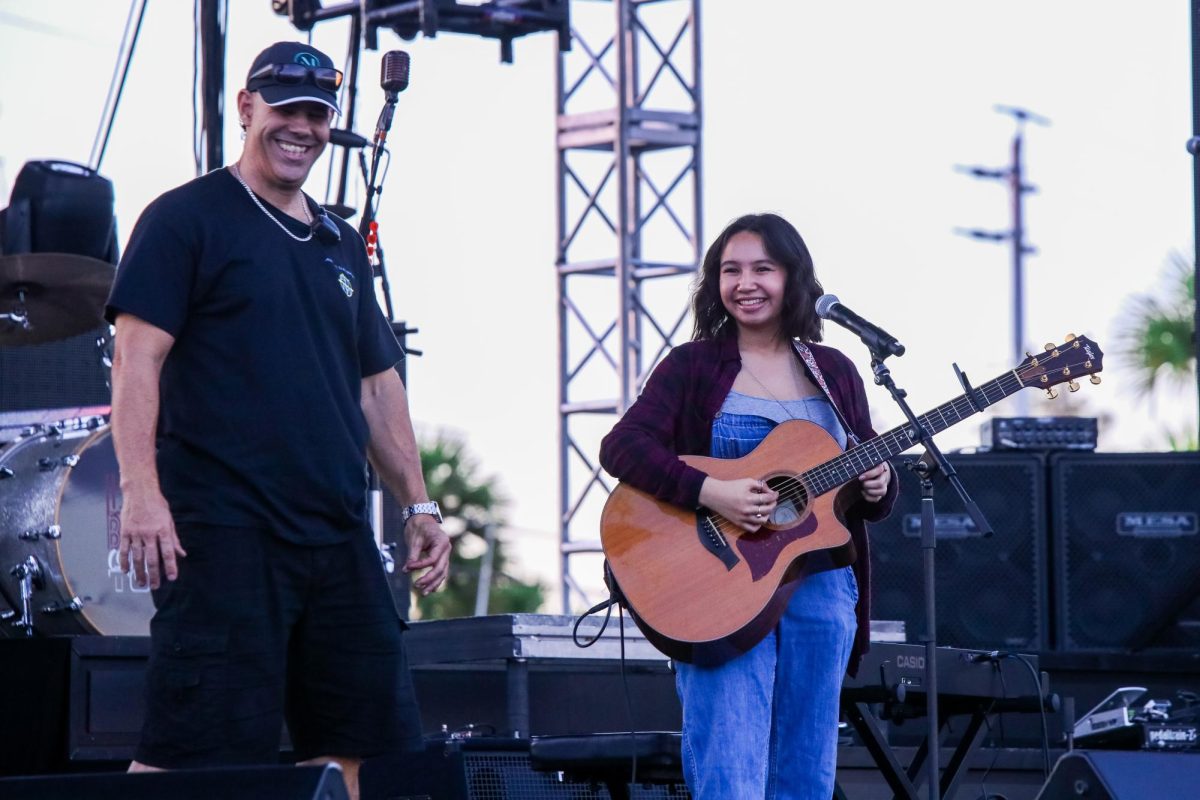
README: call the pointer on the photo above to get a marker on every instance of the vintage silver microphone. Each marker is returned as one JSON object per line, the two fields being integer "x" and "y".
{"x": 393, "y": 77}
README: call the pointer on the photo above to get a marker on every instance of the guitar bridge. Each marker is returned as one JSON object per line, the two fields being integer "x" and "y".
{"x": 712, "y": 540}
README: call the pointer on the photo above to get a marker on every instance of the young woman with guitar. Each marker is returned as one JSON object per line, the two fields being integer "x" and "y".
{"x": 760, "y": 709}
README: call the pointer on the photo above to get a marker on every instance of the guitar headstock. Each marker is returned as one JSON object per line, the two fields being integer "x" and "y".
{"x": 1063, "y": 363}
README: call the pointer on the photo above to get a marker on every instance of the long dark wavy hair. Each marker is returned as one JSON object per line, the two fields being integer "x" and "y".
{"x": 786, "y": 248}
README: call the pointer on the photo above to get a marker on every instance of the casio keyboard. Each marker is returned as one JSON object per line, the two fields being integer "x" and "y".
{"x": 890, "y": 685}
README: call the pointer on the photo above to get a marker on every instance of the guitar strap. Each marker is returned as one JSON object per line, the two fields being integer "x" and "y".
{"x": 811, "y": 361}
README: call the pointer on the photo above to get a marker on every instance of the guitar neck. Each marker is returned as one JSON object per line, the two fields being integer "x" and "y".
{"x": 857, "y": 460}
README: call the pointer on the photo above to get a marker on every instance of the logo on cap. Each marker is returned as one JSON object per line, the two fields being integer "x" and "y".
{"x": 307, "y": 59}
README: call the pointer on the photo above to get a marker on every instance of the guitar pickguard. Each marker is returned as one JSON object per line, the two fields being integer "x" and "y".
{"x": 761, "y": 549}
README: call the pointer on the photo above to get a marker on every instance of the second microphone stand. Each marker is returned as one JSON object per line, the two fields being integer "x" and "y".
{"x": 927, "y": 467}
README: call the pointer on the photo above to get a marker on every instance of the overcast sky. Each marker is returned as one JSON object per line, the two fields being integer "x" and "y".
{"x": 847, "y": 118}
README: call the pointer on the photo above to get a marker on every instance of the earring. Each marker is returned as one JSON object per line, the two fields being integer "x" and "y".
{"x": 243, "y": 124}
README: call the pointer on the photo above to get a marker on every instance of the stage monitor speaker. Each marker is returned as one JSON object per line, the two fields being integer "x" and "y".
{"x": 991, "y": 592}
{"x": 1126, "y": 531}
{"x": 1123, "y": 775}
{"x": 481, "y": 769}
{"x": 227, "y": 783}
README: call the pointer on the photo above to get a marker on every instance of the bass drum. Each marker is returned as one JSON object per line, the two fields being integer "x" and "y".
{"x": 60, "y": 518}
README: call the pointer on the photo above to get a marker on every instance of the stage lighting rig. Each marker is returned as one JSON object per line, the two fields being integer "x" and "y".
{"x": 503, "y": 20}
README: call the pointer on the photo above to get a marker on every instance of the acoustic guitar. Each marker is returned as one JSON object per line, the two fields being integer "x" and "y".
{"x": 695, "y": 580}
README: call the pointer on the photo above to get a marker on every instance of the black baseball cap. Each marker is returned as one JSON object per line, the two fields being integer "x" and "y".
{"x": 276, "y": 93}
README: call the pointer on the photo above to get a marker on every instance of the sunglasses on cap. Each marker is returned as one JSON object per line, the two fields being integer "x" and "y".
{"x": 326, "y": 78}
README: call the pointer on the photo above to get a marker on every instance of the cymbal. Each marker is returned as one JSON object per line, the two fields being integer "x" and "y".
{"x": 49, "y": 296}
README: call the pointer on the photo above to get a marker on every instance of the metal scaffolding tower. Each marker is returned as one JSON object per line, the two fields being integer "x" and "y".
{"x": 629, "y": 231}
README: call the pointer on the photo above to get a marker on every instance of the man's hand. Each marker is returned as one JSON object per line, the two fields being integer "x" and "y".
{"x": 148, "y": 541}
{"x": 875, "y": 482}
{"x": 428, "y": 549}
{"x": 746, "y": 502}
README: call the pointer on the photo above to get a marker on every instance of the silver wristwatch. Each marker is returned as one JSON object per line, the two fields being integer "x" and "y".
{"x": 430, "y": 508}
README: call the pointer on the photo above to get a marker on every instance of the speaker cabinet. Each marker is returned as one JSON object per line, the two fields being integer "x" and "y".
{"x": 991, "y": 591}
{"x": 482, "y": 769}
{"x": 65, "y": 374}
{"x": 1123, "y": 775}
{"x": 228, "y": 783}
{"x": 1127, "y": 547}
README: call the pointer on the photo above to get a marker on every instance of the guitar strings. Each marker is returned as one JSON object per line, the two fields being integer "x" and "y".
{"x": 833, "y": 473}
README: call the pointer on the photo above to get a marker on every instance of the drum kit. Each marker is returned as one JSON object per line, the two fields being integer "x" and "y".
{"x": 60, "y": 499}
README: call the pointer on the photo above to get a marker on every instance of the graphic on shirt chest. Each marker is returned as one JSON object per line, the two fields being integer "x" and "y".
{"x": 345, "y": 278}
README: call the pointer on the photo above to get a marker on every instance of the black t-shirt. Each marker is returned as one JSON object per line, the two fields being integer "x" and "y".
{"x": 260, "y": 423}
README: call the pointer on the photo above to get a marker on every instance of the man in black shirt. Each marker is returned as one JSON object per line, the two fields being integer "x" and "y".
{"x": 253, "y": 375}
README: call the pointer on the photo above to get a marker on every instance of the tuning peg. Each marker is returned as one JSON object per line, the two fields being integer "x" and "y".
{"x": 1051, "y": 394}
{"x": 1066, "y": 371}
{"x": 1070, "y": 337}
{"x": 1033, "y": 362}
{"x": 1073, "y": 386}
{"x": 1095, "y": 379}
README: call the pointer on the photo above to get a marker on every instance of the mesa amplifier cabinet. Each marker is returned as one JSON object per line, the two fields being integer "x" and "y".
{"x": 1126, "y": 531}
{"x": 991, "y": 591}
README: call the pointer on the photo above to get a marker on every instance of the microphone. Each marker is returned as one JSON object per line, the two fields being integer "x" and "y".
{"x": 347, "y": 138}
{"x": 876, "y": 338}
{"x": 393, "y": 77}
{"x": 393, "y": 73}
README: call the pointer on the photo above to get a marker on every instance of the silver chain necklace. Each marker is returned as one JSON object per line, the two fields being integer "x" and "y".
{"x": 771, "y": 394}
{"x": 237, "y": 173}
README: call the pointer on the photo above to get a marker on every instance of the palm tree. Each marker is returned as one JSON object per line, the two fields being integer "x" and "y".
{"x": 1157, "y": 335}
{"x": 470, "y": 503}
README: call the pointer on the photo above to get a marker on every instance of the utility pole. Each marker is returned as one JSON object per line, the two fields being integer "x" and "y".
{"x": 1014, "y": 177}
{"x": 1194, "y": 149}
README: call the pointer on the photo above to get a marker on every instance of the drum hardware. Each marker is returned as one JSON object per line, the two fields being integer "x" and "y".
{"x": 29, "y": 573}
{"x": 55, "y": 608}
{"x": 51, "y": 296}
{"x": 104, "y": 346}
{"x": 18, "y": 317}
{"x": 46, "y": 464}
{"x": 60, "y": 508}
{"x": 52, "y": 532}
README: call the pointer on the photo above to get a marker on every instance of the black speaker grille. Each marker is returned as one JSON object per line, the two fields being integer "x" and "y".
{"x": 991, "y": 592}
{"x": 64, "y": 374}
{"x": 1127, "y": 546}
{"x": 508, "y": 776}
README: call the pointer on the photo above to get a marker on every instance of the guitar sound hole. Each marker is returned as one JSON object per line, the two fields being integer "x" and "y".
{"x": 793, "y": 501}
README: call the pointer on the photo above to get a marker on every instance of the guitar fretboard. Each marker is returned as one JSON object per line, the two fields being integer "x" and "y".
{"x": 857, "y": 460}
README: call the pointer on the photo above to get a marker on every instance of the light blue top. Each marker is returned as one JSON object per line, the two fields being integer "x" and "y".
{"x": 744, "y": 421}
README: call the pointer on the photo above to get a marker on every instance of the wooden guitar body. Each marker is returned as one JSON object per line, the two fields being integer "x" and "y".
{"x": 686, "y": 587}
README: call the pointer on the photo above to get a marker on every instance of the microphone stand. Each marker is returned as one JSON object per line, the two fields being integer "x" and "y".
{"x": 927, "y": 467}
{"x": 367, "y": 220}
{"x": 369, "y": 231}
